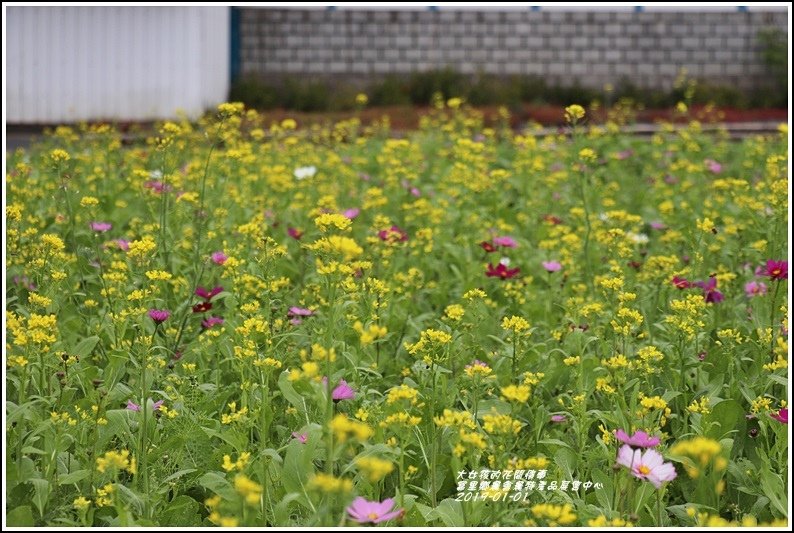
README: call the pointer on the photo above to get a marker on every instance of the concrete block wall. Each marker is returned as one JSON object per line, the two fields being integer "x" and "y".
{"x": 591, "y": 48}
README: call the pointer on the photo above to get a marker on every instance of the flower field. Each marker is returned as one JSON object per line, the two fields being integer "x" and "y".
{"x": 239, "y": 323}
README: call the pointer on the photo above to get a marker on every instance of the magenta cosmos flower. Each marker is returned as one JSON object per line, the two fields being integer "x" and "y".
{"x": 101, "y": 227}
{"x": 754, "y": 288}
{"x": 364, "y": 511}
{"x": 300, "y": 437}
{"x": 681, "y": 283}
{"x": 343, "y": 391}
{"x": 501, "y": 271}
{"x": 159, "y": 315}
{"x": 208, "y": 294}
{"x": 776, "y": 269}
{"x": 781, "y": 416}
{"x": 640, "y": 439}
{"x": 649, "y": 466}
{"x": 552, "y": 266}
{"x": 211, "y": 321}
{"x": 219, "y": 257}
{"x": 710, "y": 292}
{"x": 295, "y": 233}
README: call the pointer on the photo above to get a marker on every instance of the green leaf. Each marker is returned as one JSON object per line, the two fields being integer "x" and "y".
{"x": 85, "y": 347}
{"x": 73, "y": 477}
{"x": 217, "y": 484}
{"x": 183, "y": 511}
{"x": 449, "y": 512}
{"x": 773, "y": 487}
{"x": 41, "y": 494}
{"x": 724, "y": 418}
{"x": 179, "y": 474}
{"x": 21, "y": 516}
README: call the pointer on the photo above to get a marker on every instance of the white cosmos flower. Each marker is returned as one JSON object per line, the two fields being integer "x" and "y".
{"x": 302, "y": 173}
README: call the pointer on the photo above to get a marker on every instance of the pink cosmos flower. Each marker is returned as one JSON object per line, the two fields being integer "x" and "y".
{"x": 201, "y": 292}
{"x": 713, "y": 166}
{"x": 101, "y": 227}
{"x": 294, "y": 233}
{"x": 781, "y": 416}
{"x": 123, "y": 244}
{"x": 351, "y": 213}
{"x": 754, "y": 288}
{"x": 211, "y": 321}
{"x": 157, "y": 186}
{"x": 300, "y": 437}
{"x": 159, "y": 315}
{"x": 477, "y": 362}
{"x": 776, "y": 269}
{"x": 507, "y": 242}
{"x": 649, "y": 466}
{"x": 501, "y": 271}
{"x": 640, "y": 439}
{"x": 558, "y": 418}
{"x": 343, "y": 391}
{"x": 157, "y": 405}
{"x": 300, "y": 311}
{"x": 364, "y": 511}
{"x": 552, "y": 266}
{"x": 658, "y": 226}
{"x": 132, "y": 406}
{"x": 219, "y": 258}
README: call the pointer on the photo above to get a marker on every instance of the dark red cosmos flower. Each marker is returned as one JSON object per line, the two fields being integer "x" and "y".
{"x": 681, "y": 283}
{"x": 501, "y": 271}
{"x": 202, "y": 307}
{"x": 294, "y": 233}
{"x": 201, "y": 292}
{"x": 488, "y": 247}
{"x": 551, "y": 219}
{"x": 393, "y": 234}
{"x": 776, "y": 269}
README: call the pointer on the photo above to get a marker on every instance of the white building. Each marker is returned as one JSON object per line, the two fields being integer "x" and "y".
{"x": 68, "y": 64}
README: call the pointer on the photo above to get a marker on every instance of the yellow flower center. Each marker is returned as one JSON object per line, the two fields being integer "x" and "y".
{"x": 776, "y": 271}
{"x": 372, "y": 516}
{"x": 644, "y": 470}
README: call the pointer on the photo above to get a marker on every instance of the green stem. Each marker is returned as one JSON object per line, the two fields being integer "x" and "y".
{"x": 772, "y": 321}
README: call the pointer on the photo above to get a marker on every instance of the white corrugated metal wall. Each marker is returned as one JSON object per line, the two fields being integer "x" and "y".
{"x": 66, "y": 64}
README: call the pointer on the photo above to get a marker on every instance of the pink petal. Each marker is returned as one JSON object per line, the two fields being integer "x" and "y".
{"x": 627, "y": 456}
{"x": 652, "y": 459}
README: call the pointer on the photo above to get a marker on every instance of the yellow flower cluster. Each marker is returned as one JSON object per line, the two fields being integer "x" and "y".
{"x": 248, "y": 489}
{"x": 330, "y": 484}
{"x": 328, "y": 220}
{"x": 403, "y": 392}
{"x": 459, "y": 419}
{"x": 496, "y": 424}
{"x": 116, "y": 460}
{"x": 374, "y": 468}
{"x": 234, "y": 415}
{"x": 516, "y": 393}
{"x": 702, "y": 451}
{"x": 241, "y": 462}
{"x": 554, "y": 515}
{"x": 345, "y": 428}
